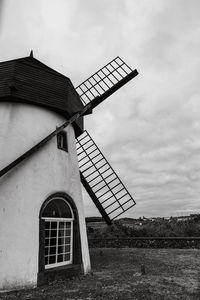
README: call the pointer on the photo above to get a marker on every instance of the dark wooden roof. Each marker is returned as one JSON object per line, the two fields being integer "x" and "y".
{"x": 30, "y": 81}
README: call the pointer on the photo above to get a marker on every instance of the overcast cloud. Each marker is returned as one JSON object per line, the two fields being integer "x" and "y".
{"x": 150, "y": 129}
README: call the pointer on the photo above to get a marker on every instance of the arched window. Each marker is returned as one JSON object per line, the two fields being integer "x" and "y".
{"x": 58, "y": 217}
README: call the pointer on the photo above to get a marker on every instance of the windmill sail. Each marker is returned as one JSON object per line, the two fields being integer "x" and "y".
{"x": 105, "y": 82}
{"x": 100, "y": 180}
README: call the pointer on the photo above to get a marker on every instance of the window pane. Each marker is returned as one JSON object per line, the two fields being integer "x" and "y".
{"x": 51, "y": 210}
{"x": 61, "y": 241}
{"x": 53, "y": 233}
{"x": 67, "y": 256}
{"x": 62, "y": 141}
{"x": 66, "y": 248}
{"x": 60, "y": 249}
{"x": 57, "y": 208}
{"x": 53, "y": 242}
{"x": 53, "y": 225}
{"x": 47, "y": 242}
{"x": 68, "y": 232}
{"x": 60, "y": 258}
{"x": 67, "y": 240}
{"x": 47, "y": 225}
{"x": 61, "y": 233}
{"x": 52, "y": 250}
{"x": 52, "y": 259}
{"x": 61, "y": 225}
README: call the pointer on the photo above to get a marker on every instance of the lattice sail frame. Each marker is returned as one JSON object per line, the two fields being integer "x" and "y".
{"x": 111, "y": 193}
{"x": 103, "y": 80}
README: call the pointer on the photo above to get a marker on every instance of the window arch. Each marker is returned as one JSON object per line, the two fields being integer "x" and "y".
{"x": 58, "y": 218}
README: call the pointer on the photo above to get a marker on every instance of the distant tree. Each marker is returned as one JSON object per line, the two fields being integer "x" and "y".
{"x": 157, "y": 228}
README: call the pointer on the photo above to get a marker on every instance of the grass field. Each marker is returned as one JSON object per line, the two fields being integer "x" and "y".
{"x": 170, "y": 274}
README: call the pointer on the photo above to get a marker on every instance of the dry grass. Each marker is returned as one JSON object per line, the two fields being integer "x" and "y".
{"x": 170, "y": 274}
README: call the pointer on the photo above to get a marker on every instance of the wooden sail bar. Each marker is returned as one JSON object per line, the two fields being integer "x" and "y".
{"x": 105, "y": 82}
{"x": 100, "y": 180}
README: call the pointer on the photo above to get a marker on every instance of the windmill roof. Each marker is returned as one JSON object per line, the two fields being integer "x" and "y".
{"x": 30, "y": 81}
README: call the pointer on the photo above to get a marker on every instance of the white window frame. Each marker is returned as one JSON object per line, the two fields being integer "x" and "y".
{"x": 58, "y": 220}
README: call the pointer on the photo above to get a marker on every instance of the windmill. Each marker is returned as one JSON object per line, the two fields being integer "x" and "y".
{"x": 29, "y": 82}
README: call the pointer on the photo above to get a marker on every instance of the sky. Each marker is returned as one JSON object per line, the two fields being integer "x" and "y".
{"x": 149, "y": 130}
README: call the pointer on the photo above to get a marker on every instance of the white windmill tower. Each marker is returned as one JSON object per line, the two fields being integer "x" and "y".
{"x": 45, "y": 154}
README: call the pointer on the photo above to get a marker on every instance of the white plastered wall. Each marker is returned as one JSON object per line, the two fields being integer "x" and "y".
{"x": 25, "y": 188}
